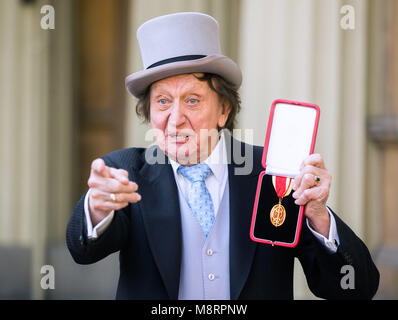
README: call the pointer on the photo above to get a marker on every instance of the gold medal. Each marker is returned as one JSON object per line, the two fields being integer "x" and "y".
{"x": 283, "y": 187}
{"x": 278, "y": 214}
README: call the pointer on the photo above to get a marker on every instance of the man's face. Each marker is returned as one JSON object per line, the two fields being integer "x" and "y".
{"x": 185, "y": 113}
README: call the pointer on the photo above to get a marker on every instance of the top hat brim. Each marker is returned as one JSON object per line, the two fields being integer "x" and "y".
{"x": 138, "y": 82}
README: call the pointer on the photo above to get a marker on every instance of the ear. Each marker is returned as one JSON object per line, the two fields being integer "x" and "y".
{"x": 225, "y": 109}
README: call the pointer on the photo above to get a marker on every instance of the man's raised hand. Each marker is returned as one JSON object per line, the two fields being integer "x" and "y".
{"x": 110, "y": 189}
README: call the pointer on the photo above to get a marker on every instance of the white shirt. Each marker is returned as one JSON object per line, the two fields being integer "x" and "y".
{"x": 215, "y": 183}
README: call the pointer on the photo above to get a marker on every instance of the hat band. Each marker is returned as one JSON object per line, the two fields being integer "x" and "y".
{"x": 176, "y": 59}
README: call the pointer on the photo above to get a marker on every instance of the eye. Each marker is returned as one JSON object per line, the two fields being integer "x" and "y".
{"x": 193, "y": 101}
{"x": 163, "y": 101}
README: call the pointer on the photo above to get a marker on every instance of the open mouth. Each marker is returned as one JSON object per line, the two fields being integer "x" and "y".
{"x": 178, "y": 138}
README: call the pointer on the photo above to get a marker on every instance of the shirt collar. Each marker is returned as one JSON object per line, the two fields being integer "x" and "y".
{"x": 216, "y": 161}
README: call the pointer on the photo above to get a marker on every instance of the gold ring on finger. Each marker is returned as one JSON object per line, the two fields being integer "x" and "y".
{"x": 112, "y": 196}
{"x": 317, "y": 179}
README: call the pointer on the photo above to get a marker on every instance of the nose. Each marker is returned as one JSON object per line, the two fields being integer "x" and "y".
{"x": 177, "y": 115}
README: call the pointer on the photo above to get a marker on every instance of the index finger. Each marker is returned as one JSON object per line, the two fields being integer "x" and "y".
{"x": 99, "y": 168}
{"x": 315, "y": 160}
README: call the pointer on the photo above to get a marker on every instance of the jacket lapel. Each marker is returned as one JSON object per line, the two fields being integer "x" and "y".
{"x": 161, "y": 214}
{"x": 242, "y": 188}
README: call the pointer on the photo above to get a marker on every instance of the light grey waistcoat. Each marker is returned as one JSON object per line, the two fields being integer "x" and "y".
{"x": 205, "y": 262}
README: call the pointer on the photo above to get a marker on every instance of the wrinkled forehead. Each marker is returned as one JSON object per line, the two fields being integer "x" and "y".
{"x": 179, "y": 83}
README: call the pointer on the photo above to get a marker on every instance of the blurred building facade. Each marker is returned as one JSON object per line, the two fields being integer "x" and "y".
{"x": 63, "y": 103}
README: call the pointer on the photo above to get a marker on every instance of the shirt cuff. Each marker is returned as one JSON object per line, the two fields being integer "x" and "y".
{"x": 94, "y": 233}
{"x": 332, "y": 242}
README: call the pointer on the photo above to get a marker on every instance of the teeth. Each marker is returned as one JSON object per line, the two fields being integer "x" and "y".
{"x": 179, "y": 136}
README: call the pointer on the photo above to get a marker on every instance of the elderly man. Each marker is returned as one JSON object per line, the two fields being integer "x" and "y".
{"x": 182, "y": 225}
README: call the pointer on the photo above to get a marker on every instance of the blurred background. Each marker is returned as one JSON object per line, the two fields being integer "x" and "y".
{"x": 63, "y": 103}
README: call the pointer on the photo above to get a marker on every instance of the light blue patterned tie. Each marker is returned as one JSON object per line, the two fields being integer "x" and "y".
{"x": 199, "y": 199}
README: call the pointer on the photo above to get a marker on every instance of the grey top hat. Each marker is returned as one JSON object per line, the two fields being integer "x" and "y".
{"x": 180, "y": 43}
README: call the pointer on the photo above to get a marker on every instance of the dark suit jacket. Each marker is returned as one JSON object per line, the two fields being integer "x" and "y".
{"x": 148, "y": 236}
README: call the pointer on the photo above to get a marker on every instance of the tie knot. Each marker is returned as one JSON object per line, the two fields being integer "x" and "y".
{"x": 198, "y": 172}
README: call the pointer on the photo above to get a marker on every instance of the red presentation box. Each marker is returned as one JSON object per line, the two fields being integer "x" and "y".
{"x": 290, "y": 138}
